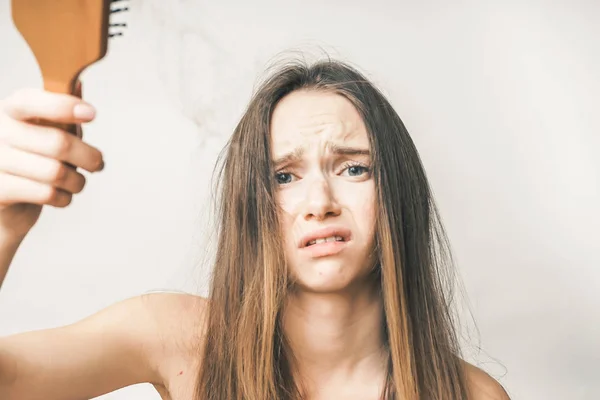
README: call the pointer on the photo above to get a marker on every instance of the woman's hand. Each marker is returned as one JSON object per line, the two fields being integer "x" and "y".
{"x": 38, "y": 159}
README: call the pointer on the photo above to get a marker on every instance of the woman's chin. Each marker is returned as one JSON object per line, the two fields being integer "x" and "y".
{"x": 324, "y": 277}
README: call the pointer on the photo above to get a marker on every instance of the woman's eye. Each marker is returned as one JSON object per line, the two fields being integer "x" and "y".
{"x": 357, "y": 170}
{"x": 283, "y": 178}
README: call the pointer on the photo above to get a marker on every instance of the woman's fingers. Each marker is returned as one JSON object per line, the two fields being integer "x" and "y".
{"x": 40, "y": 169}
{"x": 28, "y": 104}
{"x": 21, "y": 190}
{"x": 39, "y": 158}
{"x": 52, "y": 143}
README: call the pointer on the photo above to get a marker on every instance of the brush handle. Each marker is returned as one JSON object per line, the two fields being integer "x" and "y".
{"x": 72, "y": 88}
{"x": 71, "y": 128}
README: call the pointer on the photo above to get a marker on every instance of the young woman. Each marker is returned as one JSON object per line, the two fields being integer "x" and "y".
{"x": 329, "y": 280}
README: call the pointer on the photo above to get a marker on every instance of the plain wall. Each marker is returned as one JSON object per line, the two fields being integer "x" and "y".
{"x": 501, "y": 99}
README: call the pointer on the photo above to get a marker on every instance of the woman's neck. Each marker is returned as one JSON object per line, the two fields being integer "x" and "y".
{"x": 336, "y": 338}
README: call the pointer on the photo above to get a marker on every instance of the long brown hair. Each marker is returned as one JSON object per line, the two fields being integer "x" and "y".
{"x": 245, "y": 355}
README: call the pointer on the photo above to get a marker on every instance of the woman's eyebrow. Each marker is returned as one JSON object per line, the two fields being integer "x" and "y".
{"x": 348, "y": 150}
{"x": 291, "y": 157}
{"x": 297, "y": 153}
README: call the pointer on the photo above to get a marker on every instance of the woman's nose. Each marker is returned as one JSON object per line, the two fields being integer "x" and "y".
{"x": 320, "y": 201}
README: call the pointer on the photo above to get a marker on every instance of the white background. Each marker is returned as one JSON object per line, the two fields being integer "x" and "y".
{"x": 501, "y": 99}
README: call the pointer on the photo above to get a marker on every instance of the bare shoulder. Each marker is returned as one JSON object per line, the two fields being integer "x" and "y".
{"x": 172, "y": 312}
{"x": 177, "y": 320}
{"x": 167, "y": 327}
{"x": 482, "y": 386}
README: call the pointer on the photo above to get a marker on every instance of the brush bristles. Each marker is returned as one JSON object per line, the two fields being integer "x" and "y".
{"x": 120, "y": 8}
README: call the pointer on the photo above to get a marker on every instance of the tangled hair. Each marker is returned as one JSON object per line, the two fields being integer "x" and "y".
{"x": 245, "y": 355}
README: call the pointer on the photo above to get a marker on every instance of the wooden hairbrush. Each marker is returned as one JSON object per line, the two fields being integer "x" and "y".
{"x": 66, "y": 36}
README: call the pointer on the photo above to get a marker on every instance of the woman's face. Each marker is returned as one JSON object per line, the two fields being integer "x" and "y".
{"x": 325, "y": 189}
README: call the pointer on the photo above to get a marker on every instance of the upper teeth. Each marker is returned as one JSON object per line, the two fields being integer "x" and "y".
{"x": 327, "y": 239}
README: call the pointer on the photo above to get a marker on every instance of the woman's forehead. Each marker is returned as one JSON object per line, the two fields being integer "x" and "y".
{"x": 308, "y": 118}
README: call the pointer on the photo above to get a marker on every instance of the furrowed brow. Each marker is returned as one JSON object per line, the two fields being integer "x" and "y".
{"x": 291, "y": 157}
{"x": 296, "y": 155}
{"x": 349, "y": 151}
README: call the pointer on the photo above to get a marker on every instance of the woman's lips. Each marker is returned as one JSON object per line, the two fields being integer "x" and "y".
{"x": 327, "y": 232}
{"x": 330, "y": 247}
{"x": 324, "y": 249}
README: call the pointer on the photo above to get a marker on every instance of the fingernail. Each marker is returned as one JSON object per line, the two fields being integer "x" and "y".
{"x": 84, "y": 111}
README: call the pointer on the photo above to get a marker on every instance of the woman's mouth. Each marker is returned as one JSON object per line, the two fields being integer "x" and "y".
{"x": 324, "y": 240}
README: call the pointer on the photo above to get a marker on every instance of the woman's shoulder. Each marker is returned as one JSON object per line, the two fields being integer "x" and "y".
{"x": 174, "y": 305}
{"x": 482, "y": 386}
{"x": 169, "y": 328}
{"x": 176, "y": 318}
{"x": 177, "y": 322}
